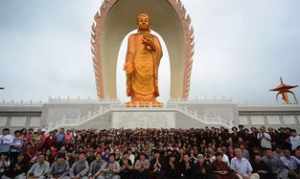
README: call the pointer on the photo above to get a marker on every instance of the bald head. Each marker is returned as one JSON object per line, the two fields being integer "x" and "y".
{"x": 238, "y": 152}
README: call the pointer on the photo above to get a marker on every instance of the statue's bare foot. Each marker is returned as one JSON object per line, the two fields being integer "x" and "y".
{"x": 156, "y": 103}
{"x": 130, "y": 104}
{"x": 152, "y": 103}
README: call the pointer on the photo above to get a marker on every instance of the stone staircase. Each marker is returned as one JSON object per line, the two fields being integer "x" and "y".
{"x": 181, "y": 116}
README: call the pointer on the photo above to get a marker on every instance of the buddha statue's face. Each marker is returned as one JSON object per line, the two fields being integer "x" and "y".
{"x": 143, "y": 22}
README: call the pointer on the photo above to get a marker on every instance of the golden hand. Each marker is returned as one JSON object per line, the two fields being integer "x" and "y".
{"x": 128, "y": 67}
{"x": 148, "y": 42}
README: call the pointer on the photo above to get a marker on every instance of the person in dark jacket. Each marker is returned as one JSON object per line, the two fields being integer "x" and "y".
{"x": 203, "y": 169}
{"x": 19, "y": 169}
{"x": 171, "y": 169}
{"x": 260, "y": 167}
{"x": 126, "y": 167}
{"x": 156, "y": 166}
{"x": 186, "y": 166}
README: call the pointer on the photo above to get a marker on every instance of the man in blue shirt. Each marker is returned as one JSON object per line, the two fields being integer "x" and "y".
{"x": 290, "y": 162}
{"x": 241, "y": 165}
{"x": 60, "y": 138}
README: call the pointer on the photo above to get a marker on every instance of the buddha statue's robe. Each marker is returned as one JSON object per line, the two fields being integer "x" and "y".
{"x": 141, "y": 67}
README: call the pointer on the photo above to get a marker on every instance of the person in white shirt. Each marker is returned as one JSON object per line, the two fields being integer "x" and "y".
{"x": 294, "y": 139}
{"x": 40, "y": 169}
{"x": 131, "y": 156}
{"x": 241, "y": 165}
{"x": 225, "y": 158}
{"x": 6, "y": 137}
{"x": 264, "y": 138}
{"x": 6, "y": 140}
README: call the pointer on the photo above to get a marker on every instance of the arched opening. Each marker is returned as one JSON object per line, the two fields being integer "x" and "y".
{"x": 115, "y": 19}
{"x": 164, "y": 77}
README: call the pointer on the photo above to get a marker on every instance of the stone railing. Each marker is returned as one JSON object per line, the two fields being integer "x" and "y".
{"x": 201, "y": 100}
{"x": 208, "y": 118}
{"x": 78, "y": 100}
{"x": 19, "y": 103}
{"x": 78, "y": 121}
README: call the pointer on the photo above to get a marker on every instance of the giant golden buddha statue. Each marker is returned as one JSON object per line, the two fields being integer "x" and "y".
{"x": 144, "y": 53}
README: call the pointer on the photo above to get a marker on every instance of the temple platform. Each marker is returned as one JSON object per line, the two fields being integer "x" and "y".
{"x": 146, "y": 118}
{"x": 88, "y": 113}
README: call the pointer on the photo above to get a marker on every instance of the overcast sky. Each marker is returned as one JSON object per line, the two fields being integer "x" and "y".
{"x": 242, "y": 49}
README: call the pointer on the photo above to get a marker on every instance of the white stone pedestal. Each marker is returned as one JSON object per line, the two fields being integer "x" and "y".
{"x": 109, "y": 115}
{"x": 143, "y": 119}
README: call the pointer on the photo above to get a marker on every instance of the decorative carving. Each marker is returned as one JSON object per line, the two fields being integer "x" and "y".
{"x": 143, "y": 119}
{"x": 283, "y": 90}
{"x": 188, "y": 46}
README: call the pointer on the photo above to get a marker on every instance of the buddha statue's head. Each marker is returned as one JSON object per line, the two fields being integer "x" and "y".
{"x": 143, "y": 22}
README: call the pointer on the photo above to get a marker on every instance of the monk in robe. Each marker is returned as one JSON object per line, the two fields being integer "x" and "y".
{"x": 221, "y": 168}
{"x": 144, "y": 53}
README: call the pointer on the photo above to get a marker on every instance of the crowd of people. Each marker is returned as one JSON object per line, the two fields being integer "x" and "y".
{"x": 210, "y": 153}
